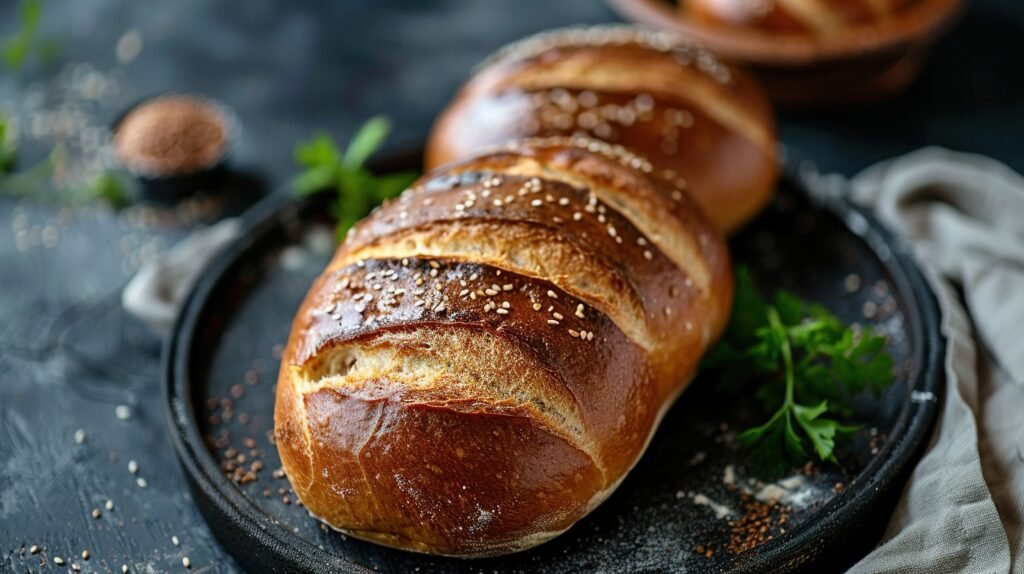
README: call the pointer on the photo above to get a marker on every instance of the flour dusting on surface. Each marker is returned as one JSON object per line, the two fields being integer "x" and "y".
{"x": 720, "y": 510}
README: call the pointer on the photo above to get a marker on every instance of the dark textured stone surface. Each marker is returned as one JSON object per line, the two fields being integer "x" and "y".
{"x": 68, "y": 353}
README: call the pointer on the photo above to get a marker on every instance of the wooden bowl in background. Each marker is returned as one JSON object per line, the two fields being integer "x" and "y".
{"x": 858, "y": 63}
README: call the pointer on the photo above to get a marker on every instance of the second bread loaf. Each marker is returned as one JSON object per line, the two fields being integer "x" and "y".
{"x": 703, "y": 124}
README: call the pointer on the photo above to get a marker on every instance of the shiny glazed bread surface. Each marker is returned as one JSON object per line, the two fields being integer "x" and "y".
{"x": 703, "y": 124}
{"x": 487, "y": 356}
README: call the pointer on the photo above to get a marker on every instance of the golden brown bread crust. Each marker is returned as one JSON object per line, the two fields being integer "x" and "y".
{"x": 479, "y": 366}
{"x": 815, "y": 17}
{"x": 701, "y": 122}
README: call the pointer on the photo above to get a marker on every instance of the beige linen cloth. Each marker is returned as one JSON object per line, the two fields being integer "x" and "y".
{"x": 963, "y": 508}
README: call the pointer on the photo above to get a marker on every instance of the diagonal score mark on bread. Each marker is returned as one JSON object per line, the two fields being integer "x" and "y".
{"x": 641, "y": 206}
{"x": 400, "y": 366}
{"x": 527, "y": 250}
{"x": 700, "y": 121}
{"x": 692, "y": 73}
{"x": 666, "y": 80}
{"x": 408, "y": 346}
{"x": 489, "y": 371}
{"x": 553, "y": 249}
{"x": 668, "y": 218}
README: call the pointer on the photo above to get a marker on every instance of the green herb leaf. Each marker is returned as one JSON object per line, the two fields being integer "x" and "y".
{"x": 15, "y": 53}
{"x": 775, "y": 444}
{"x": 18, "y": 47}
{"x": 314, "y": 179}
{"x": 30, "y": 13}
{"x": 791, "y": 309}
{"x": 861, "y": 363}
{"x": 821, "y": 431}
{"x": 793, "y": 354}
{"x": 366, "y": 141}
{"x": 110, "y": 187}
{"x": 35, "y": 181}
{"x": 357, "y": 189}
{"x": 320, "y": 151}
{"x": 777, "y": 433}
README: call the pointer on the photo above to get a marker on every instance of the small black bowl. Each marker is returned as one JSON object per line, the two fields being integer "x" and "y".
{"x": 177, "y": 185}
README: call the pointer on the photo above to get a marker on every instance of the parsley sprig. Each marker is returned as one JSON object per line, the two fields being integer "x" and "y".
{"x": 328, "y": 168}
{"x": 807, "y": 366}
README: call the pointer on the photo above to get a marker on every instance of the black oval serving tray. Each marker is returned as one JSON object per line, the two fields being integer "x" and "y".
{"x": 689, "y": 505}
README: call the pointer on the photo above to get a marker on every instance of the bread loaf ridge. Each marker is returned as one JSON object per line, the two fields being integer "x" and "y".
{"x": 486, "y": 357}
{"x": 703, "y": 122}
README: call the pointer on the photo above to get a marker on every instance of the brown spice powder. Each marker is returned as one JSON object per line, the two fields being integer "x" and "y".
{"x": 172, "y": 135}
{"x": 759, "y": 523}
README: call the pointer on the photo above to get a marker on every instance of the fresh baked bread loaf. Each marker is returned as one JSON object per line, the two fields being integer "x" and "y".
{"x": 815, "y": 17}
{"x": 486, "y": 357}
{"x": 700, "y": 122}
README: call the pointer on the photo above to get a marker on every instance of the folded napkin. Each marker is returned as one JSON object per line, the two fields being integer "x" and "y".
{"x": 158, "y": 290}
{"x": 963, "y": 507}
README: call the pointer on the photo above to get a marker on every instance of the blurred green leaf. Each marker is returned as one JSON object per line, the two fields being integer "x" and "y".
{"x": 110, "y": 187}
{"x": 357, "y": 189}
{"x": 313, "y": 180}
{"x": 30, "y": 13}
{"x": 35, "y": 181}
{"x": 366, "y": 141}
{"x": 320, "y": 151}
{"x": 18, "y": 47}
{"x": 15, "y": 53}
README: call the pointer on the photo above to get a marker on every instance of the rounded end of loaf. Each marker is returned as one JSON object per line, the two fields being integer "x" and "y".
{"x": 697, "y": 119}
{"x": 459, "y": 480}
{"x": 458, "y": 431}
